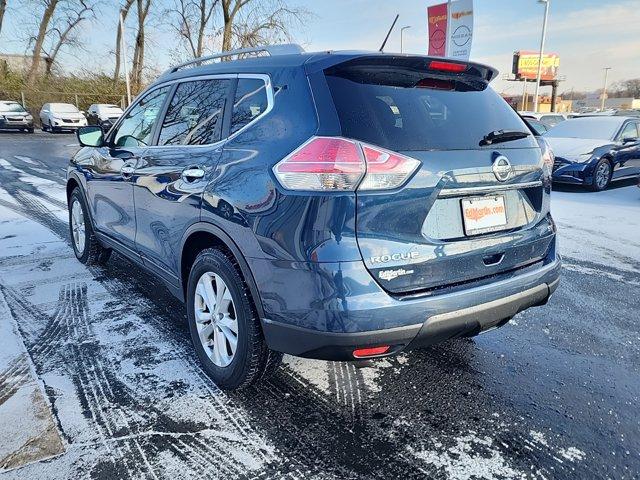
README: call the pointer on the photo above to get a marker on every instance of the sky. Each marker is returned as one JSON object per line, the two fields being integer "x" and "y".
{"x": 587, "y": 34}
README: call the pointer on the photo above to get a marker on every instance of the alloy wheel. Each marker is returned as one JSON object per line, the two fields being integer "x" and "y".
{"x": 216, "y": 321}
{"x": 77, "y": 226}
{"x": 602, "y": 175}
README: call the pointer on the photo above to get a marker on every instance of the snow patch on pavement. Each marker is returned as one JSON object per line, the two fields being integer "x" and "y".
{"x": 471, "y": 457}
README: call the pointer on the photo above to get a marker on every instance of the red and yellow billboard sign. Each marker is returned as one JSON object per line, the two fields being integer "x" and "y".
{"x": 525, "y": 65}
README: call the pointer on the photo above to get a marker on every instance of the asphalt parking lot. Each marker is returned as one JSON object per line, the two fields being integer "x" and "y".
{"x": 98, "y": 378}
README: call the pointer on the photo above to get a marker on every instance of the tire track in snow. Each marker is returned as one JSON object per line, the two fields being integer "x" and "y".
{"x": 347, "y": 385}
{"x": 38, "y": 212}
{"x": 13, "y": 377}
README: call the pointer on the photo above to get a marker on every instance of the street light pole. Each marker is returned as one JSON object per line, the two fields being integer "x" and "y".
{"x": 604, "y": 88}
{"x": 401, "y": 32}
{"x": 540, "y": 54}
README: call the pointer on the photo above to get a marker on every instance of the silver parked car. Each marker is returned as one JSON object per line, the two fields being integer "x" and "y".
{"x": 14, "y": 116}
{"x": 61, "y": 116}
{"x": 103, "y": 114}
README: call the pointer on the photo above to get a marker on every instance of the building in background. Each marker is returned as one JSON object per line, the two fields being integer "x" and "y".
{"x": 593, "y": 102}
{"x": 11, "y": 62}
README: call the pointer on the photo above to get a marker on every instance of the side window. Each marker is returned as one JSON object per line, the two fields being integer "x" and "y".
{"x": 249, "y": 102}
{"x": 630, "y": 130}
{"x": 195, "y": 113}
{"x": 136, "y": 127}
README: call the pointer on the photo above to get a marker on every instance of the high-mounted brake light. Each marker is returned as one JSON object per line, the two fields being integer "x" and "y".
{"x": 447, "y": 66}
{"x": 340, "y": 164}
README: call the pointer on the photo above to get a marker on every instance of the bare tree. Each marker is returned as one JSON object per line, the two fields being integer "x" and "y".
{"x": 627, "y": 88}
{"x": 193, "y": 17}
{"x": 253, "y": 22}
{"x": 63, "y": 32}
{"x": 137, "y": 65}
{"x": 47, "y": 15}
{"x": 124, "y": 11}
{"x": 56, "y": 29}
{"x": 3, "y": 8}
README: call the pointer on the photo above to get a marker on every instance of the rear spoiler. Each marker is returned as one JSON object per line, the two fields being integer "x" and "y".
{"x": 417, "y": 63}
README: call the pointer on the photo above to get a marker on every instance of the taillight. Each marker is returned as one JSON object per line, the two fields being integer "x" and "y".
{"x": 340, "y": 164}
{"x": 447, "y": 66}
{"x": 385, "y": 169}
{"x": 548, "y": 158}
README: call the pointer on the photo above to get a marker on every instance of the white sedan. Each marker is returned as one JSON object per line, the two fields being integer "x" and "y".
{"x": 61, "y": 116}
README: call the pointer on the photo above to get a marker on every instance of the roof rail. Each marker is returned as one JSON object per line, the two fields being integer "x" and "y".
{"x": 272, "y": 50}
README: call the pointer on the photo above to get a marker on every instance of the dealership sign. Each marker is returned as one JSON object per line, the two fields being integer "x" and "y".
{"x": 525, "y": 65}
{"x": 451, "y": 29}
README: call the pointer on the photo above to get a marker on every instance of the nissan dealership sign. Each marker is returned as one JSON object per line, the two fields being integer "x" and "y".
{"x": 451, "y": 29}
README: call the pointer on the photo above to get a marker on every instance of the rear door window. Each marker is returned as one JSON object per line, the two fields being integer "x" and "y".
{"x": 406, "y": 110}
{"x": 250, "y": 101}
{"x": 196, "y": 113}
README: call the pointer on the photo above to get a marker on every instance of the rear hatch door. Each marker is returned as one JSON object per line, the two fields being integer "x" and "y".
{"x": 476, "y": 205}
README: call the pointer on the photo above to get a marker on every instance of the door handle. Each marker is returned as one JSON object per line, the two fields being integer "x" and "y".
{"x": 192, "y": 173}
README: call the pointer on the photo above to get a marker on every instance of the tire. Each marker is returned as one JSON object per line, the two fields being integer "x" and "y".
{"x": 601, "y": 175}
{"x": 85, "y": 246}
{"x": 30, "y": 130}
{"x": 51, "y": 129}
{"x": 252, "y": 360}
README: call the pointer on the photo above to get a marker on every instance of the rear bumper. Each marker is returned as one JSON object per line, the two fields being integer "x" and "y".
{"x": 414, "y": 322}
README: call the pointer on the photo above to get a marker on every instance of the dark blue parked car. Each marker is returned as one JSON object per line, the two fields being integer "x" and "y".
{"x": 334, "y": 205}
{"x": 593, "y": 151}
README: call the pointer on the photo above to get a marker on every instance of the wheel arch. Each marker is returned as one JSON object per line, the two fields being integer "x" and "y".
{"x": 206, "y": 235}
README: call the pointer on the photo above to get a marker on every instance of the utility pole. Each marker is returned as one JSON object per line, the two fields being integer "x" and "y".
{"x": 540, "y": 54}
{"x": 401, "y": 32}
{"x": 604, "y": 88}
{"x": 123, "y": 48}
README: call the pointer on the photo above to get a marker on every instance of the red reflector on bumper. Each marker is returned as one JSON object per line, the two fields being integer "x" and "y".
{"x": 370, "y": 352}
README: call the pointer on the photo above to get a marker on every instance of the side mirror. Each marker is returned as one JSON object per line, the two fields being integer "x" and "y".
{"x": 91, "y": 136}
{"x": 629, "y": 140}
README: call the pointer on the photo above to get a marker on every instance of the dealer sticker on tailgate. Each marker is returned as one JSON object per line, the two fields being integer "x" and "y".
{"x": 483, "y": 214}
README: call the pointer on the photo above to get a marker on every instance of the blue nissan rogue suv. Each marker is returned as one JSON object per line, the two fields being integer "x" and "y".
{"x": 333, "y": 205}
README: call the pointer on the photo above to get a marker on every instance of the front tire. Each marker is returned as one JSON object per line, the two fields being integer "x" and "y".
{"x": 85, "y": 244}
{"x": 224, "y": 326}
{"x": 601, "y": 175}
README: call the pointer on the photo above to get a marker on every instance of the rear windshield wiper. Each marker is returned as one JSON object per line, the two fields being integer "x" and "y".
{"x": 499, "y": 136}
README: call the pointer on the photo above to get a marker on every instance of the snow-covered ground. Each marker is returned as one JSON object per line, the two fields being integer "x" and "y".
{"x": 600, "y": 227}
{"x": 108, "y": 351}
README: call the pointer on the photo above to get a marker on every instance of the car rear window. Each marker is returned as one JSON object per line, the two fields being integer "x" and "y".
{"x": 405, "y": 109}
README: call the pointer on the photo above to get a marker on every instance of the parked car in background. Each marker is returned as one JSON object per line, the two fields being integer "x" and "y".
{"x": 15, "y": 117}
{"x": 594, "y": 150}
{"x": 619, "y": 112}
{"x": 549, "y": 119}
{"x": 378, "y": 203}
{"x": 55, "y": 117}
{"x": 537, "y": 127}
{"x": 103, "y": 114}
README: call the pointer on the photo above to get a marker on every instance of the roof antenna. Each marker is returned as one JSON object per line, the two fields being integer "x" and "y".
{"x": 389, "y": 33}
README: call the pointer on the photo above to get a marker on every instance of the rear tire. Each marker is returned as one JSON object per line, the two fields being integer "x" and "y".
{"x": 601, "y": 175}
{"x": 213, "y": 317}
{"x": 85, "y": 244}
